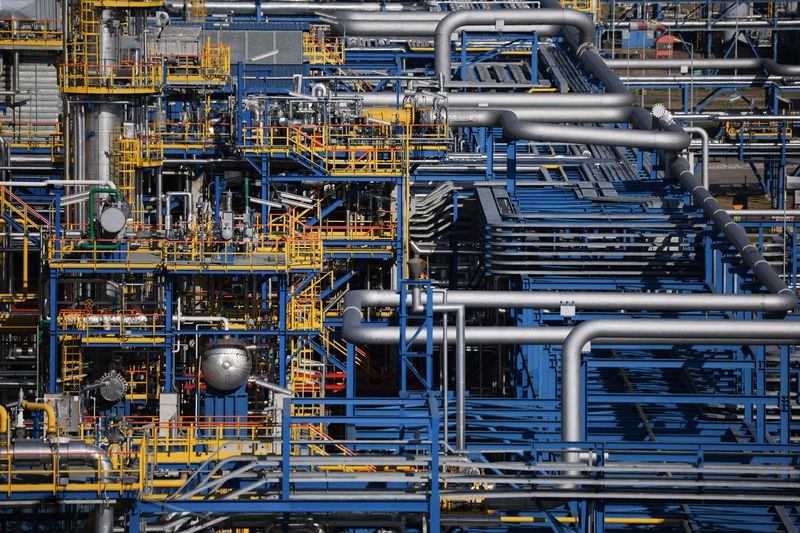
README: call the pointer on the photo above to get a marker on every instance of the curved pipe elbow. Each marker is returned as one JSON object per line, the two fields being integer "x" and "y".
{"x": 52, "y": 428}
{"x": 499, "y": 19}
{"x": 644, "y": 139}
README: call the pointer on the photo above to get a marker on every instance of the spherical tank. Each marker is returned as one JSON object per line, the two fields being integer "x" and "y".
{"x": 225, "y": 366}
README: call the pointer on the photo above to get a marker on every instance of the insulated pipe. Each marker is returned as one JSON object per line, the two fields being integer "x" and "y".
{"x": 202, "y": 319}
{"x": 354, "y": 331}
{"x": 514, "y": 126}
{"x": 660, "y": 332}
{"x": 781, "y": 301}
{"x": 645, "y": 139}
{"x": 498, "y": 100}
{"x": 263, "y": 383}
{"x": 498, "y": 19}
{"x": 52, "y": 427}
{"x": 703, "y": 134}
{"x": 35, "y": 449}
{"x": 457, "y": 116}
{"x": 279, "y": 8}
{"x": 734, "y": 233}
{"x": 755, "y": 63}
{"x": 62, "y": 183}
{"x": 410, "y": 24}
{"x": 763, "y": 212}
{"x": 683, "y": 26}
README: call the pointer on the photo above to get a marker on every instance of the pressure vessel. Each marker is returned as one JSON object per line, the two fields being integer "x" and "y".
{"x": 225, "y": 366}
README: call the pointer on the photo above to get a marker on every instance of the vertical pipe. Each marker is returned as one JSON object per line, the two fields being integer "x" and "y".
{"x": 445, "y": 362}
{"x": 700, "y": 132}
{"x": 460, "y": 380}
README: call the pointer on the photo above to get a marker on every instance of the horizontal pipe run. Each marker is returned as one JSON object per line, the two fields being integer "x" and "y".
{"x": 586, "y": 300}
{"x": 712, "y": 63}
{"x": 748, "y": 213}
{"x": 512, "y": 101}
{"x": 476, "y": 116}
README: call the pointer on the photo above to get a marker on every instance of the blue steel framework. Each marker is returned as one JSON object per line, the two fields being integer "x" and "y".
{"x": 406, "y": 477}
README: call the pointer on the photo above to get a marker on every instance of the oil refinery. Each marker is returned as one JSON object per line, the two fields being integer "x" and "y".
{"x": 399, "y": 266}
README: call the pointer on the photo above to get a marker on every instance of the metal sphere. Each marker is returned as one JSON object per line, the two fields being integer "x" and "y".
{"x": 225, "y": 366}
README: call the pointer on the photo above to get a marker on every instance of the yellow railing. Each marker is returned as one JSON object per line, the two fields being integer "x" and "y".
{"x": 212, "y": 65}
{"x": 587, "y": 6}
{"x": 757, "y": 129}
{"x": 140, "y": 151}
{"x": 370, "y": 148}
{"x": 127, "y": 78}
{"x": 39, "y": 33}
{"x": 189, "y": 135}
{"x": 31, "y": 135}
{"x": 100, "y": 326}
{"x": 318, "y": 49}
{"x": 197, "y": 11}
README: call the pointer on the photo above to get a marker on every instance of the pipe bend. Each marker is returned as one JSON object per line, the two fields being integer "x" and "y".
{"x": 4, "y": 420}
{"x": 513, "y": 17}
{"x": 52, "y": 428}
{"x": 645, "y": 139}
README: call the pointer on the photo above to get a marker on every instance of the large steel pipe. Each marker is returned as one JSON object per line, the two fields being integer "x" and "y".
{"x": 733, "y": 232}
{"x": 409, "y": 24}
{"x": 35, "y": 450}
{"x": 495, "y": 101}
{"x": 278, "y": 8}
{"x": 498, "y": 19}
{"x": 659, "y": 332}
{"x": 755, "y": 63}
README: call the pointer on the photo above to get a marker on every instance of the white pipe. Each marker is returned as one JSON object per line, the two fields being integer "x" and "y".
{"x": 703, "y": 134}
{"x": 183, "y": 318}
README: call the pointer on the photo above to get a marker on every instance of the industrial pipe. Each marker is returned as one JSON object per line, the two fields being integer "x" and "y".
{"x": 498, "y": 19}
{"x": 4, "y": 421}
{"x": 512, "y": 101}
{"x": 476, "y": 116}
{"x": 755, "y": 63}
{"x": 734, "y": 233}
{"x": 703, "y": 134}
{"x": 745, "y": 213}
{"x": 411, "y": 24}
{"x": 659, "y": 332}
{"x": 61, "y": 183}
{"x": 35, "y": 449}
{"x": 52, "y": 427}
{"x": 279, "y": 8}
{"x": 645, "y": 139}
